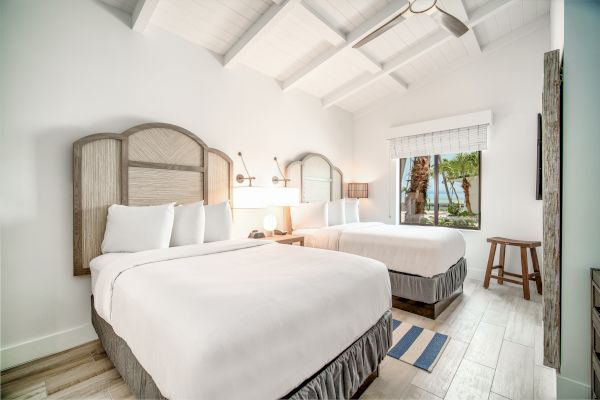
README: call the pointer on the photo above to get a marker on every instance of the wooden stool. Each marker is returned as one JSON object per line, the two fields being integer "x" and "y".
{"x": 525, "y": 275}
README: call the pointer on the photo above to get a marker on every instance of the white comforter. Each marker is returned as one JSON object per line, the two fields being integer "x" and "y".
{"x": 238, "y": 319}
{"x": 417, "y": 250}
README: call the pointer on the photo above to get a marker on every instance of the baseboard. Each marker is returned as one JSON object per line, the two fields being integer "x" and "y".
{"x": 567, "y": 388}
{"x": 21, "y": 353}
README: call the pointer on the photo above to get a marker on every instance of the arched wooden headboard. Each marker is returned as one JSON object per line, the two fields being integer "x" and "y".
{"x": 148, "y": 164}
{"x": 316, "y": 177}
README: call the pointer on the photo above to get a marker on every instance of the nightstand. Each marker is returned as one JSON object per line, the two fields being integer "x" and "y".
{"x": 286, "y": 239}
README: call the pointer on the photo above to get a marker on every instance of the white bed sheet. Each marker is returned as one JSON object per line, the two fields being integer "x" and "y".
{"x": 419, "y": 250}
{"x": 238, "y": 319}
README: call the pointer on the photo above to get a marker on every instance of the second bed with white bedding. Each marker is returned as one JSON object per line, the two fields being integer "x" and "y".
{"x": 238, "y": 319}
{"x": 409, "y": 249}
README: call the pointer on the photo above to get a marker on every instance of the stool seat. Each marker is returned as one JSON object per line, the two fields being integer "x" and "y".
{"x": 514, "y": 242}
{"x": 524, "y": 275}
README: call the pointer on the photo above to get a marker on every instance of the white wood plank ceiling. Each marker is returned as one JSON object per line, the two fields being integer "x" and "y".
{"x": 307, "y": 44}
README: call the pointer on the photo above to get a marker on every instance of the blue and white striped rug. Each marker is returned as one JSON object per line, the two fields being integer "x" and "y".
{"x": 417, "y": 346}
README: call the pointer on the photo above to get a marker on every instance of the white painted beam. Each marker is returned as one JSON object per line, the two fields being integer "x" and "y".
{"x": 365, "y": 61}
{"x": 142, "y": 14}
{"x": 258, "y": 30}
{"x": 423, "y": 46}
{"x": 325, "y": 29}
{"x": 413, "y": 52}
{"x": 488, "y": 10}
{"x": 469, "y": 40}
{"x": 379, "y": 19}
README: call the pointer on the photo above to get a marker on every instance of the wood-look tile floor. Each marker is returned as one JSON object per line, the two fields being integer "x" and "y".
{"x": 495, "y": 353}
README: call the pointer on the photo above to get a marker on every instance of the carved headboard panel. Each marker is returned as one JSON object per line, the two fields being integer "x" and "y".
{"x": 148, "y": 164}
{"x": 316, "y": 177}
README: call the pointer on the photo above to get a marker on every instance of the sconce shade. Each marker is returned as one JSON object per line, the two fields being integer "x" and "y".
{"x": 358, "y": 190}
{"x": 249, "y": 197}
{"x": 283, "y": 196}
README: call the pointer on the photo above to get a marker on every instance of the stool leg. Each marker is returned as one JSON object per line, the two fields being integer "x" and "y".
{"x": 536, "y": 269}
{"x": 490, "y": 264}
{"x": 501, "y": 269}
{"x": 525, "y": 273}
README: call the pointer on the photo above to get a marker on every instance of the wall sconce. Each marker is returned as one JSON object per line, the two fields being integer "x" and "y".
{"x": 358, "y": 190}
{"x": 249, "y": 197}
{"x": 241, "y": 178}
{"x": 277, "y": 179}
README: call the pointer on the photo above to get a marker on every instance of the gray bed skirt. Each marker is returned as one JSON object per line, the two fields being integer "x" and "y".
{"x": 340, "y": 379}
{"x": 429, "y": 290}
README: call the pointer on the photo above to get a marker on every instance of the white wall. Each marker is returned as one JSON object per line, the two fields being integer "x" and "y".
{"x": 557, "y": 24}
{"x": 73, "y": 68}
{"x": 509, "y": 82}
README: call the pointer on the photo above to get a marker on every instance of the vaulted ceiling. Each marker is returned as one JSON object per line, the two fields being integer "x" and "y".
{"x": 307, "y": 44}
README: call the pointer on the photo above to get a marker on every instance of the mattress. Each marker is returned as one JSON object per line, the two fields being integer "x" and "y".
{"x": 263, "y": 315}
{"x": 425, "y": 251}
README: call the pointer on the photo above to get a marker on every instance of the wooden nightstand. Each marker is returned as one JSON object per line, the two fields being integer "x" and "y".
{"x": 286, "y": 239}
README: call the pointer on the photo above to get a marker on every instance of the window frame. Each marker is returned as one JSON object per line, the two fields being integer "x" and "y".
{"x": 437, "y": 158}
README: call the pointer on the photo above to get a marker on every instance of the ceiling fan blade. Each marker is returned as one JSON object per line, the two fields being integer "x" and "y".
{"x": 450, "y": 23}
{"x": 376, "y": 33}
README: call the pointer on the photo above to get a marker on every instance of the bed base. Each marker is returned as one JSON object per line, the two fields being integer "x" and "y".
{"x": 431, "y": 311}
{"x": 347, "y": 376}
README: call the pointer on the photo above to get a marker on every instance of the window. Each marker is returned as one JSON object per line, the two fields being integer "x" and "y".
{"x": 441, "y": 190}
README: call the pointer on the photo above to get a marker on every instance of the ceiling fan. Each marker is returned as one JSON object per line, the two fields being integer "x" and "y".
{"x": 445, "y": 19}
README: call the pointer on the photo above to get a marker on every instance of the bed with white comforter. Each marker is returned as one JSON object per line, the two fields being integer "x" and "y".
{"x": 238, "y": 319}
{"x": 417, "y": 250}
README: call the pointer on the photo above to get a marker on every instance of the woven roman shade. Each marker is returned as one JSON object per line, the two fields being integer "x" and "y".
{"x": 459, "y": 140}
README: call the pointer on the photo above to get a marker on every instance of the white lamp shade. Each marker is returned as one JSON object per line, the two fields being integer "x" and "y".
{"x": 270, "y": 223}
{"x": 283, "y": 196}
{"x": 249, "y": 197}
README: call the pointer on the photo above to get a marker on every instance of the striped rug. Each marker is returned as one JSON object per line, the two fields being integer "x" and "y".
{"x": 417, "y": 346}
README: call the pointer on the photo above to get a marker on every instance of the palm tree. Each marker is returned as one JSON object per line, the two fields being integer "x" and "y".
{"x": 419, "y": 181}
{"x": 445, "y": 169}
{"x": 467, "y": 165}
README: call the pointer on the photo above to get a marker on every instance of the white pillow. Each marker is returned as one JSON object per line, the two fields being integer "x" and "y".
{"x": 309, "y": 215}
{"x": 217, "y": 224}
{"x": 352, "y": 214}
{"x": 131, "y": 229}
{"x": 336, "y": 212}
{"x": 188, "y": 225}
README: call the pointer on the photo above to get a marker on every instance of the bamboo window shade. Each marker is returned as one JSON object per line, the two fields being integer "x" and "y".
{"x": 459, "y": 140}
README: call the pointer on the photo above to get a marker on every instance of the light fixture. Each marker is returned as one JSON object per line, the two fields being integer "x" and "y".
{"x": 358, "y": 190}
{"x": 241, "y": 178}
{"x": 249, "y": 197}
{"x": 269, "y": 224}
{"x": 282, "y": 196}
{"x": 277, "y": 179}
{"x": 430, "y": 7}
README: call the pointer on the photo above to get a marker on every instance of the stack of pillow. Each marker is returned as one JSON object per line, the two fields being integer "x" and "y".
{"x": 326, "y": 213}
{"x": 131, "y": 229}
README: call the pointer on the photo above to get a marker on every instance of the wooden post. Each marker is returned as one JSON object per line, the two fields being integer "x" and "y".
{"x": 551, "y": 171}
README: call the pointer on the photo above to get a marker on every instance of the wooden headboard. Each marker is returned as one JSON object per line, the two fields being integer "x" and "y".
{"x": 148, "y": 164}
{"x": 316, "y": 177}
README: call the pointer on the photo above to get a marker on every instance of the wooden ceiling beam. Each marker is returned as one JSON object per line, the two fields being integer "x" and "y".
{"x": 258, "y": 30}
{"x": 373, "y": 23}
{"x": 430, "y": 42}
{"x": 142, "y": 14}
